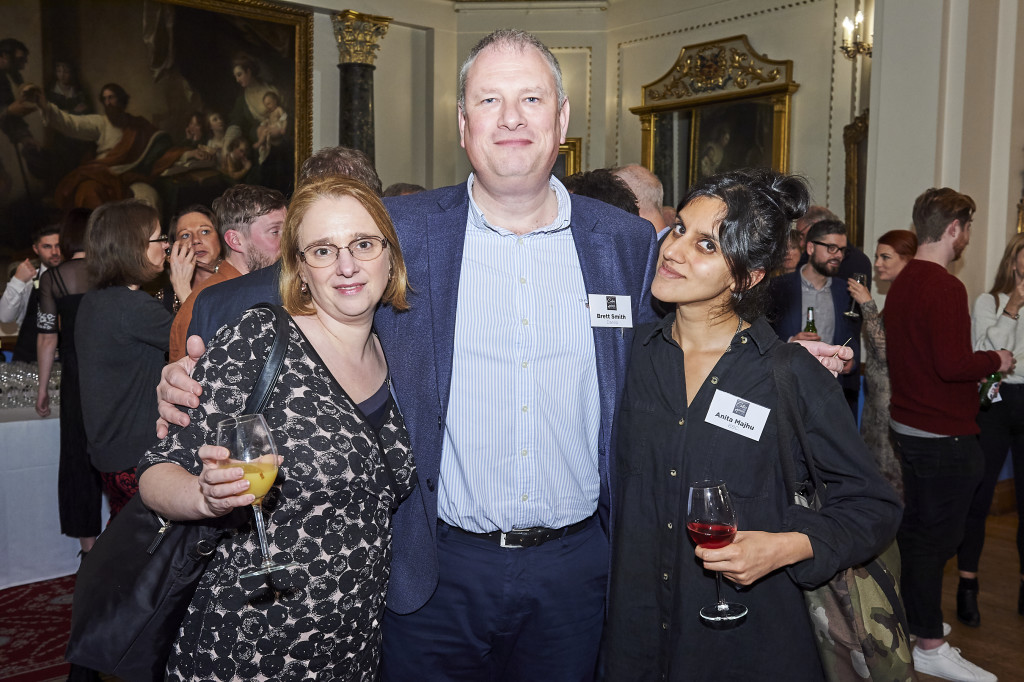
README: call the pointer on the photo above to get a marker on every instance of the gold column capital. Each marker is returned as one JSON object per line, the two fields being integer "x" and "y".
{"x": 357, "y": 36}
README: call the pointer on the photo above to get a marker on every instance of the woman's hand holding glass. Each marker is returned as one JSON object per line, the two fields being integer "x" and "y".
{"x": 754, "y": 554}
{"x": 858, "y": 292}
{"x": 182, "y": 259}
{"x": 223, "y": 488}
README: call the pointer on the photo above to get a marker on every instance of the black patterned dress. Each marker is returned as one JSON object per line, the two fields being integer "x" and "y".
{"x": 330, "y": 510}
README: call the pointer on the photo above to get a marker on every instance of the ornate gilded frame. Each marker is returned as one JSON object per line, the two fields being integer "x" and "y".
{"x": 301, "y": 21}
{"x": 855, "y": 137}
{"x": 709, "y": 74}
{"x": 568, "y": 161}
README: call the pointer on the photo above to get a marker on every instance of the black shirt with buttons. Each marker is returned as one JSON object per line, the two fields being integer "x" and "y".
{"x": 657, "y": 584}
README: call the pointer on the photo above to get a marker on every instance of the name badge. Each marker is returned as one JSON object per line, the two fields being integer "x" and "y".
{"x": 610, "y": 311}
{"x": 735, "y": 414}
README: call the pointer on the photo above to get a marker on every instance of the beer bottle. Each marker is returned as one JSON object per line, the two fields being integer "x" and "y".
{"x": 989, "y": 389}
{"x": 809, "y": 327}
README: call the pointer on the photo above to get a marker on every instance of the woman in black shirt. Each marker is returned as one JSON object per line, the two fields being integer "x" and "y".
{"x": 711, "y": 353}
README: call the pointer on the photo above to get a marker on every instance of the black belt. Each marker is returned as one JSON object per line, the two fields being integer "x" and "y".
{"x": 523, "y": 537}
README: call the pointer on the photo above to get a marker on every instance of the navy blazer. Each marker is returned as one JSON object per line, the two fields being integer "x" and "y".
{"x": 789, "y": 317}
{"x": 617, "y": 256}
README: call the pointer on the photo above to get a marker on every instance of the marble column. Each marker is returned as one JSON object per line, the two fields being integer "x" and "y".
{"x": 357, "y": 35}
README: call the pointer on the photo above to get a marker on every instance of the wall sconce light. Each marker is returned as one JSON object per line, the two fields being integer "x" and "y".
{"x": 853, "y": 43}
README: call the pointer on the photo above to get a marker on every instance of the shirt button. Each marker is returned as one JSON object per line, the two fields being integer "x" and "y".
{"x": 664, "y": 576}
{"x": 714, "y": 380}
{"x": 522, "y": 280}
{"x": 743, "y": 339}
{"x": 664, "y": 626}
{"x": 671, "y": 472}
{"x": 682, "y": 420}
{"x": 519, "y": 241}
{"x": 525, "y": 498}
{"x": 523, "y": 453}
{"x": 670, "y": 525}
{"x": 525, "y": 364}
{"x": 525, "y": 322}
{"x": 525, "y": 408}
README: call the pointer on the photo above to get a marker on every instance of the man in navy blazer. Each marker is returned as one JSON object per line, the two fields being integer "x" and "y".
{"x": 475, "y": 593}
{"x": 817, "y": 284}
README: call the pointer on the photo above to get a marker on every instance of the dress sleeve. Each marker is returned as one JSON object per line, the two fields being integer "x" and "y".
{"x": 874, "y": 330}
{"x": 860, "y": 512}
{"x": 227, "y": 373}
{"x": 46, "y": 316}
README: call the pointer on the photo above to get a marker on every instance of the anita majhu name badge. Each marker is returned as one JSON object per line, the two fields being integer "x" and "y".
{"x": 735, "y": 414}
{"x": 607, "y": 310}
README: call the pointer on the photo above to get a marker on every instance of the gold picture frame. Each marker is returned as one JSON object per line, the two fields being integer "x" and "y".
{"x": 568, "y": 161}
{"x": 855, "y": 141}
{"x": 721, "y": 106}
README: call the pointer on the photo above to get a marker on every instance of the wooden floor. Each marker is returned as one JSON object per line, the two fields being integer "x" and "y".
{"x": 998, "y": 644}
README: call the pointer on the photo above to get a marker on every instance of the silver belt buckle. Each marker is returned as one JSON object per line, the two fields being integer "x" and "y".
{"x": 502, "y": 543}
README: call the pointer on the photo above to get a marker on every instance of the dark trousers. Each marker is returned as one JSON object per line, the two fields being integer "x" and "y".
{"x": 940, "y": 476}
{"x": 1002, "y": 431}
{"x": 504, "y": 614}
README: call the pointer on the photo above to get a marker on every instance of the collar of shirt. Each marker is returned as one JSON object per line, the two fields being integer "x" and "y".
{"x": 760, "y": 332}
{"x": 807, "y": 285}
{"x": 479, "y": 221}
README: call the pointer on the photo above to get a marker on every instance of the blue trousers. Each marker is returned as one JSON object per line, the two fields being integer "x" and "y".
{"x": 505, "y": 614}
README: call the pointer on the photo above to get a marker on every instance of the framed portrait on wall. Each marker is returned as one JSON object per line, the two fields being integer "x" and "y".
{"x": 171, "y": 101}
{"x": 568, "y": 161}
{"x": 722, "y": 106}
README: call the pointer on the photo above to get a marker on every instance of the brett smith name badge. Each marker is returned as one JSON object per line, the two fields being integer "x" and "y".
{"x": 610, "y": 311}
{"x": 735, "y": 414}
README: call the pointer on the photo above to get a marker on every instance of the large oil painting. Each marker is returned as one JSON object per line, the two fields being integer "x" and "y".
{"x": 172, "y": 101}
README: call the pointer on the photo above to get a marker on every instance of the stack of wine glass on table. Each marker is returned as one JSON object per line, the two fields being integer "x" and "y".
{"x": 19, "y": 384}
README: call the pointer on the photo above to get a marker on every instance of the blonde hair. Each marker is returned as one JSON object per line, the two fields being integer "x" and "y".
{"x": 336, "y": 187}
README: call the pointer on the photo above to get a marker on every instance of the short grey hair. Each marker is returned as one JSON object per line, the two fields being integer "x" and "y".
{"x": 650, "y": 194}
{"x": 518, "y": 41}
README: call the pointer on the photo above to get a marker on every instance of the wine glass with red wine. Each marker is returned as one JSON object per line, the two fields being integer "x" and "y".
{"x": 711, "y": 522}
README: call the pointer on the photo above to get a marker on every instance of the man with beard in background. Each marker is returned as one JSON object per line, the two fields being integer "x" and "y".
{"x": 816, "y": 285}
{"x": 130, "y": 151}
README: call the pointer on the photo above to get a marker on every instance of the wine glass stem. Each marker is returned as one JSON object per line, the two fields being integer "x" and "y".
{"x": 261, "y": 530}
{"x": 718, "y": 587}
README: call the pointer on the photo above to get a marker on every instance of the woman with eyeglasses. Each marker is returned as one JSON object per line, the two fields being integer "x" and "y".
{"x": 121, "y": 339}
{"x": 345, "y": 465}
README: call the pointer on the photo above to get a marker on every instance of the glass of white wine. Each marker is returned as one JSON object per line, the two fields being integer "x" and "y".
{"x": 248, "y": 439}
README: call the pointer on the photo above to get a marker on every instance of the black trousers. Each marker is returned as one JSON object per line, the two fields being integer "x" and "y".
{"x": 1002, "y": 431}
{"x": 940, "y": 476}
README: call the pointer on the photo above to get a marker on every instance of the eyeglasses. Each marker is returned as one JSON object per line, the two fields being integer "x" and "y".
{"x": 325, "y": 255}
{"x": 162, "y": 238}
{"x": 832, "y": 248}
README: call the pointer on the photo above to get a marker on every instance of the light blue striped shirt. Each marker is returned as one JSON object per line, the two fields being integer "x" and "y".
{"x": 524, "y": 413}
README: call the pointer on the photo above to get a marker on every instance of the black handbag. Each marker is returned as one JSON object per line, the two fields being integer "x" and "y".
{"x": 134, "y": 588}
{"x": 860, "y": 626}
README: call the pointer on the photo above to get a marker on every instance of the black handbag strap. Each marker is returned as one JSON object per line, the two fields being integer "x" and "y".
{"x": 260, "y": 395}
{"x": 788, "y": 422}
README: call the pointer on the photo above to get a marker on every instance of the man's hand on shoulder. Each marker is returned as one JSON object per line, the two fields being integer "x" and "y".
{"x": 177, "y": 387}
{"x": 833, "y": 358}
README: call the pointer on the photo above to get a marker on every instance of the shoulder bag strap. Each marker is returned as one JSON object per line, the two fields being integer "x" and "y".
{"x": 260, "y": 395}
{"x": 789, "y": 422}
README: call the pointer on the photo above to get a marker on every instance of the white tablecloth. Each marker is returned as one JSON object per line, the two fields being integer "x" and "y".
{"x": 31, "y": 546}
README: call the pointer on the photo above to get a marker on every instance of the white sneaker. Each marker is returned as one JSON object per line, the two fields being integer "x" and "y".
{"x": 947, "y": 663}
{"x": 946, "y": 629}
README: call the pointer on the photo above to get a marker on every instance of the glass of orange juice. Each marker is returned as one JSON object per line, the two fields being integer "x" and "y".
{"x": 252, "y": 449}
